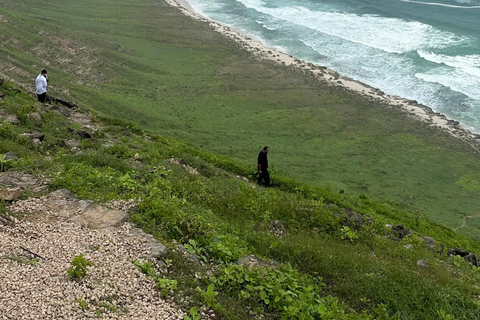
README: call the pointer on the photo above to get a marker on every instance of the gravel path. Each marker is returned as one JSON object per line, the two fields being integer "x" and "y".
{"x": 44, "y": 291}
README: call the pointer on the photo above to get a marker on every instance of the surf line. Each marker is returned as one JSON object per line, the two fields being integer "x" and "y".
{"x": 441, "y": 4}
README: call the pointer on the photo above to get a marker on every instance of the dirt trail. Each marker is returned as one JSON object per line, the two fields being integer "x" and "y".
{"x": 464, "y": 221}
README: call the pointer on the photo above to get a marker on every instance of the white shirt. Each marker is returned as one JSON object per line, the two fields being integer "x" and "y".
{"x": 41, "y": 84}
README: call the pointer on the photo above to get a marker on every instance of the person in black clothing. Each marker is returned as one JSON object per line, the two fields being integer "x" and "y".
{"x": 263, "y": 167}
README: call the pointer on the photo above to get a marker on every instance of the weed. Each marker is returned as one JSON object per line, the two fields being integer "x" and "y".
{"x": 82, "y": 304}
{"x": 193, "y": 313}
{"x": 79, "y": 267}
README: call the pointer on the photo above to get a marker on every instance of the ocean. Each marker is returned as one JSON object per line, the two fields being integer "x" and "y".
{"x": 427, "y": 51}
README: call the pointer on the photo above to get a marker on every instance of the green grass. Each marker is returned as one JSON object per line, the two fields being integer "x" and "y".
{"x": 150, "y": 65}
{"x": 366, "y": 275}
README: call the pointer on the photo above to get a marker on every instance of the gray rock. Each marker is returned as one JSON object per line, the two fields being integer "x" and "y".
{"x": 277, "y": 228}
{"x": 81, "y": 133}
{"x": 430, "y": 243}
{"x": 253, "y": 262}
{"x": 34, "y": 135}
{"x": 356, "y": 220}
{"x": 13, "y": 119}
{"x": 422, "y": 263}
{"x": 10, "y": 194}
{"x": 34, "y": 116}
{"x": 62, "y": 194}
{"x": 63, "y": 203}
{"x": 400, "y": 232}
{"x": 472, "y": 258}
{"x": 10, "y": 156}
{"x": 191, "y": 258}
{"x": 156, "y": 248}
{"x": 72, "y": 143}
{"x": 98, "y": 217}
{"x": 441, "y": 249}
{"x": 457, "y": 252}
{"x": 409, "y": 246}
{"x": 23, "y": 180}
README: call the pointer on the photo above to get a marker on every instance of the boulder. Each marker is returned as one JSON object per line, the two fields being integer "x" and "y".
{"x": 422, "y": 263}
{"x": 82, "y": 134}
{"x": 155, "y": 248}
{"x": 457, "y": 252}
{"x": 471, "y": 258}
{"x": 430, "y": 243}
{"x": 277, "y": 228}
{"x": 253, "y": 262}
{"x": 98, "y": 217}
{"x": 34, "y": 116}
{"x": 62, "y": 194}
{"x": 10, "y": 156}
{"x": 441, "y": 249}
{"x": 72, "y": 143}
{"x": 191, "y": 258}
{"x": 400, "y": 232}
{"x": 11, "y": 179}
{"x": 13, "y": 119}
{"x": 10, "y": 194}
{"x": 34, "y": 135}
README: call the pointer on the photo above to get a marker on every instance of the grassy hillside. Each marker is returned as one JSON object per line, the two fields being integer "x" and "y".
{"x": 146, "y": 63}
{"x": 329, "y": 267}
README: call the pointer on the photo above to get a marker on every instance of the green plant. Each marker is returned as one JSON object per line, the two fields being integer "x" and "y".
{"x": 208, "y": 295}
{"x": 166, "y": 285}
{"x": 79, "y": 267}
{"x": 145, "y": 268}
{"x": 282, "y": 290}
{"x": 193, "y": 248}
{"x": 444, "y": 316}
{"x": 107, "y": 306}
{"x": 3, "y": 162}
{"x": 347, "y": 233}
{"x": 82, "y": 304}
{"x": 193, "y": 313}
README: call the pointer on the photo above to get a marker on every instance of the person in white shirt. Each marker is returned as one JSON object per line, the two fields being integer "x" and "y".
{"x": 41, "y": 83}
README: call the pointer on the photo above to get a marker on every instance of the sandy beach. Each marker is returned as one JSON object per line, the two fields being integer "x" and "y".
{"x": 411, "y": 107}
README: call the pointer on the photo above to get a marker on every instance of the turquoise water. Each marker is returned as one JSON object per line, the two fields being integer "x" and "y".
{"x": 428, "y": 51}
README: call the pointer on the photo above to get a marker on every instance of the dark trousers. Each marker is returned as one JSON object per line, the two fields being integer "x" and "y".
{"x": 41, "y": 97}
{"x": 266, "y": 176}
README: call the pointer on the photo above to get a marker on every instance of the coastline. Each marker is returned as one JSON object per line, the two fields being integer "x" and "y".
{"x": 412, "y": 108}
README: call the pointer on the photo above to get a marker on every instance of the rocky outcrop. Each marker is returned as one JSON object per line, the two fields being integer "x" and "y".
{"x": 430, "y": 243}
{"x": 10, "y": 194}
{"x": 24, "y": 181}
{"x": 400, "y": 232}
{"x": 99, "y": 217}
{"x": 12, "y": 156}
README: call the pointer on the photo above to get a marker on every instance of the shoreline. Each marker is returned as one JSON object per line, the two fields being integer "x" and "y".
{"x": 412, "y": 108}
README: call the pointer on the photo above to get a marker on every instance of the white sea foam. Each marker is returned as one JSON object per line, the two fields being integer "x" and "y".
{"x": 387, "y": 34}
{"x": 469, "y": 64}
{"x": 455, "y": 79}
{"x": 442, "y": 4}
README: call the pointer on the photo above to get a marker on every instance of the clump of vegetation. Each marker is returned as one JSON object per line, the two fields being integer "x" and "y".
{"x": 3, "y": 162}
{"x": 79, "y": 267}
{"x": 164, "y": 284}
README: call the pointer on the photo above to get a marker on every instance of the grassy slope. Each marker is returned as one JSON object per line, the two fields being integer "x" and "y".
{"x": 228, "y": 218}
{"x": 149, "y": 64}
